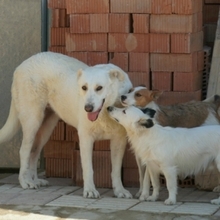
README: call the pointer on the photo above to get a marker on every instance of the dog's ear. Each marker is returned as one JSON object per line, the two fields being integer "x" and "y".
{"x": 156, "y": 94}
{"x": 147, "y": 123}
{"x": 79, "y": 73}
{"x": 116, "y": 74}
{"x": 149, "y": 111}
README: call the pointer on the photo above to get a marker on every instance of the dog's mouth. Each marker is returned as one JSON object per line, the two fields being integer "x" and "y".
{"x": 92, "y": 116}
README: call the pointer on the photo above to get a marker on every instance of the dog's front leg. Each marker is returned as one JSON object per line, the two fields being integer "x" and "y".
{"x": 118, "y": 145}
{"x": 141, "y": 171}
{"x": 170, "y": 174}
{"x": 146, "y": 185}
{"x": 86, "y": 149}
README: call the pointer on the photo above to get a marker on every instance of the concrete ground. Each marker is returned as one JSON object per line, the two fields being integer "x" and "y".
{"x": 60, "y": 200}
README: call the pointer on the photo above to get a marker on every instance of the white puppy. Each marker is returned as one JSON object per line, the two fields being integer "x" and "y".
{"x": 48, "y": 87}
{"x": 170, "y": 151}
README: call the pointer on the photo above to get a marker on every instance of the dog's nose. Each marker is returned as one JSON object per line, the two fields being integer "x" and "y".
{"x": 88, "y": 108}
{"x": 123, "y": 97}
{"x": 110, "y": 108}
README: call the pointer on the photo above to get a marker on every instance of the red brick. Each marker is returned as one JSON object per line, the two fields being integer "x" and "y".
{"x": 102, "y": 145}
{"x": 58, "y": 149}
{"x": 85, "y": 6}
{"x": 79, "y": 23}
{"x": 101, "y": 167}
{"x": 86, "y": 42}
{"x": 58, "y": 167}
{"x": 140, "y": 78}
{"x": 169, "y": 98}
{"x": 71, "y": 134}
{"x": 159, "y": 43}
{"x": 174, "y": 62}
{"x": 56, "y": 4}
{"x": 162, "y": 81}
{"x": 128, "y": 42}
{"x": 139, "y": 62}
{"x": 212, "y": 1}
{"x": 119, "y": 23}
{"x": 119, "y": 59}
{"x": 187, "y": 6}
{"x": 161, "y": 6}
{"x": 97, "y": 58}
{"x": 130, "y": 6}
{"x": 98, "y": 23}
{"x": 176, "y": 23}
{"x": 130, "y": 177}
{"x": 186, "y": 43}
{"x": 58, "y": 132}
{"x": 57, "y": 36}
{"x": 210, "y": 14}
{"x": 187, "y": 82}
{"x": 58, "y": 49}
{"x": 141, "y": 23}
{"x": 82, "y": 56}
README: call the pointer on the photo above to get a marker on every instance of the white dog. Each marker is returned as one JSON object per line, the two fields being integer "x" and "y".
{"x": 170, "y": 151}
{"x": 47, "y": 87}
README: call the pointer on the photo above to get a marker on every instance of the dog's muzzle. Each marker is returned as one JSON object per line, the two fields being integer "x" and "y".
{"x": 123, "y": 97}
{"x": 88, "y": 108}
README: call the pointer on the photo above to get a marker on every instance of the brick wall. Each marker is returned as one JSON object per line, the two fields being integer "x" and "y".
{"x": 159, "y": 43}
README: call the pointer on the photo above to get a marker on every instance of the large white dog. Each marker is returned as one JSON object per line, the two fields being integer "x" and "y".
{"x": 49, "y": 86}
{"x": 167, "y": 150}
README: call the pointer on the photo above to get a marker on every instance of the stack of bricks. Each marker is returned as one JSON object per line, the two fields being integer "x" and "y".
{"x": 159, "y": 43}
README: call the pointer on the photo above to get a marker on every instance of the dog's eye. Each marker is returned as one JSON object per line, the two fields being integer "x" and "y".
{"x": 130, "y": 90}
{"x": 124, "y": 111}
{"x": 84, "y": 88}
{"x": 138, "y": 95}
{"x": 99, "y": 88}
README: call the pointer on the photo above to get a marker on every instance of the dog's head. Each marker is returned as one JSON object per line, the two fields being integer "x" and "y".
{"x": 131, "y": 117}
{"x": 101, "y": 85}
{"x": 140, "y": 96}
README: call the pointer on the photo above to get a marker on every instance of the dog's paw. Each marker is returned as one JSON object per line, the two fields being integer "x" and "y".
{"x": 215, "y": 201}
{"x": 216, "y": 189}
{"x": 169, "y": 202}
{"x": 41, "y": 182}
{"x": 151, "y": 198}
{"x": 143, "y": 197}
{"x": 123, "y": 194}
{"x": 91, "y": 194}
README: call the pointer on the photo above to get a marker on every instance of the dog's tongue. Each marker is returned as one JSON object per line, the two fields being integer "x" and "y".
{"x": 92, "y": 116}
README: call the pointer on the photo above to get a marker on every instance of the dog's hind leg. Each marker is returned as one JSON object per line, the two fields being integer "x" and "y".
{"x": 118, "y": 145}
{"x": 31, "y": 120}
{"x": 146, "y": 185}
{"x": 217, "y": 188}
{"x": 43, "y": 134}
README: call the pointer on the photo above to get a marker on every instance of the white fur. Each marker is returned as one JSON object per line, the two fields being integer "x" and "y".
{"x": 170, "y": 151}
{"x": 51, "y": 80}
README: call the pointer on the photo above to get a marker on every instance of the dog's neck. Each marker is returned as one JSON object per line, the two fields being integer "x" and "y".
{"x": 153, "y": 105}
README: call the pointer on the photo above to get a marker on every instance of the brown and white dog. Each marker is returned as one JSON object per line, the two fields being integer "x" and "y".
{"x": 188, "y": 115}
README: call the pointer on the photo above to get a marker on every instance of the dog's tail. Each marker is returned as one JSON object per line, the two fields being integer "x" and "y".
{"x": 11, "y": 126}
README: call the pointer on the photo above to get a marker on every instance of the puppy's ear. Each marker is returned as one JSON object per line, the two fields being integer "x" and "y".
{"x": 147, "y": 123}
{"x": 156, "y": 94}
{"x": 116, "y": 74}
{"x": 79, "y": 74}
{"x": 149, "y": 111}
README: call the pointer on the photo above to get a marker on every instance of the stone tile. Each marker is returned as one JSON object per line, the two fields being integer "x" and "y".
{"x": 113, "y": 203}
{"x": 32, "y": 199}
{"x": 71, "y": 201}
{"x": 196, "y": 208}
{"x": 207, "y": 197}
{"x": 5, "y": 197}
{"x": 155, "y": 207}
{"x": 102, "y": 192}
{"x": 12, "y": 179}
{"x": 193, "y": 196}
{"x": 217, "y": 214}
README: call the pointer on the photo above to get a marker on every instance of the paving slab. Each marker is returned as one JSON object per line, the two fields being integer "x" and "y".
{"x": 71, "y": 201}
{"x": 154, "y": 207}
{"x": 196, "y": 208}
{"x": 113, "y": 203}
